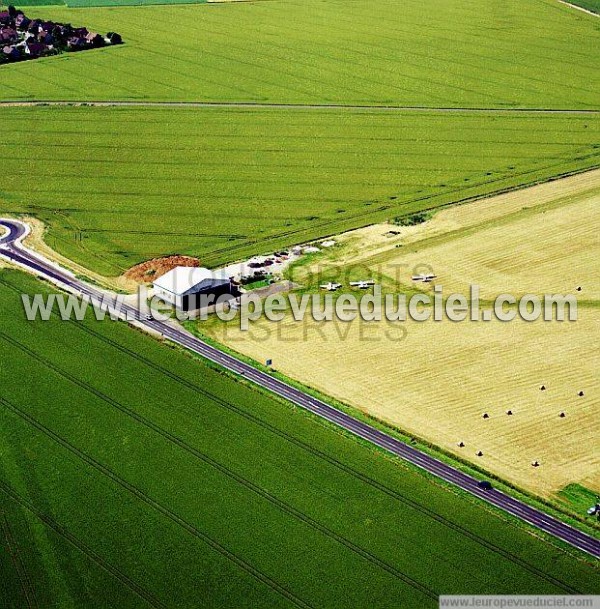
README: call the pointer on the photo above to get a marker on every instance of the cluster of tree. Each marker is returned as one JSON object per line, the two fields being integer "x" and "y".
{"x": 412, "y": 219}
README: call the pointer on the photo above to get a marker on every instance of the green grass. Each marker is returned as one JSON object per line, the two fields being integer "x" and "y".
{"x": 25, "y": 4}
{"x": 525, "y": 53}
{"x": 253, "y": 285}
{"x": 185, "y": 488}
{"x": 120, "y": 185}
{"x": 132, "y": 475}
{"x": 124, "y": 184}
{"x": 578, "y": 498}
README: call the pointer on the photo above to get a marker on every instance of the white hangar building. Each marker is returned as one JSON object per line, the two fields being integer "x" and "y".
{"x": 184, "y": 285}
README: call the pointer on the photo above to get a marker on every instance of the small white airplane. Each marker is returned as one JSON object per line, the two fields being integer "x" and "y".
{"x": 363, "y": 285}
{"x": 425, "y": 278}
{"x": 331, "y": 287}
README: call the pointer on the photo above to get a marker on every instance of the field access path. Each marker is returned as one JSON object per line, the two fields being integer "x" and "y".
{"x": 276, "y": 106}
{"x": 12, "y": 249}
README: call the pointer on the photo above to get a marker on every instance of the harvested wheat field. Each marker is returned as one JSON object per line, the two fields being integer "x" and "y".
{"x": 469, "y": 215}
{"x": 539, "y": 240}
{"x": 437, "y": 379}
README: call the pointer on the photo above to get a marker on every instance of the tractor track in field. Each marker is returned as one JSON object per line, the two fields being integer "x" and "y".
{"x": 77, "y": 543}
{"x": 392, "y": 206}
{"x": 162, "y": 509}
{"x": 248, "y": 484}
{"x": 393, "y": 493}
{"x": 291, "y": 106}
{"x": 17, "y": 561}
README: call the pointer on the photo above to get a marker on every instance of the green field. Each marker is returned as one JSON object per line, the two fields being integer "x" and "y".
{"x": 589, "y": 5}
{"x": 132, "y": 476}
{"x": 525, "y": 53}
{"x": 579, "y": 497}
{"x": 120, "y": 185}
{"x": 24, "y": 6}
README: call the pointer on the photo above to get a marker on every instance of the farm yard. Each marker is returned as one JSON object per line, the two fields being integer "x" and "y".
{"x": 148, "y": 498}
{"x": 436, "y": 379}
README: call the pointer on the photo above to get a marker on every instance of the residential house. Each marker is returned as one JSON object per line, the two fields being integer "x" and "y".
{"x": 8, "y": 34}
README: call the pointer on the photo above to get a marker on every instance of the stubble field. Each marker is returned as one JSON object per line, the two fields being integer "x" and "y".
{"x": 132, "y": 476}
{"x": 437, "y": 379}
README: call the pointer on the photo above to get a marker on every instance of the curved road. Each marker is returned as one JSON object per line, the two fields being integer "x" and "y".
{"x": 12, "y": 249}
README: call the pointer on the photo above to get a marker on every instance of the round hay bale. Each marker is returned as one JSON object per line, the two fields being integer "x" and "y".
{"x": 486, "y": 415}
{"x": 479, "y": 453}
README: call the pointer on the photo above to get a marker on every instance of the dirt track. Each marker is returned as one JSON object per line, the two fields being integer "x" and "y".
{"x": 261, "y": 106}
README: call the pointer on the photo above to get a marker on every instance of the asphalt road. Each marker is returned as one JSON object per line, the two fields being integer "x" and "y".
{"x": 12, "y": 249}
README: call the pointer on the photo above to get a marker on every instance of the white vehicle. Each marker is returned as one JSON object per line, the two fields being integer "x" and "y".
{"x": 331, "y": 287}
{"x": 593, "y": 510}
{"x": 363, "y": 285}
{"x": 425, "y": 278}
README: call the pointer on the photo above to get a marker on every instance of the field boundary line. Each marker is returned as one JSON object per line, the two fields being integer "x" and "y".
{"x": 463, "y": 231}
{"x": 396, "y": 207}
{"x": 285, "y": 106}
{"x": 579, "y": 8}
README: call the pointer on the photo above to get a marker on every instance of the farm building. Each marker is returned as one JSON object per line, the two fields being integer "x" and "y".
{"x": 183, "y": 286}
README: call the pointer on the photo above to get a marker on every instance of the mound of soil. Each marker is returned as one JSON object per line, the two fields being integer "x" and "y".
{"x": 150, "y": 270}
